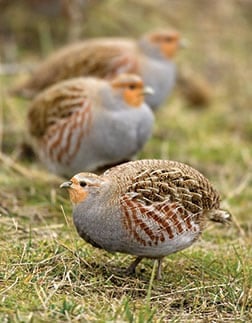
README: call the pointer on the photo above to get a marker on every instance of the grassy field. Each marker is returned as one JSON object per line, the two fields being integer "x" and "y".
{"x": 47, "y": 273}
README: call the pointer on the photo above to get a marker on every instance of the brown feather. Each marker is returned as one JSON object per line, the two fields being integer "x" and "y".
{"x": 91, "y": 57}
{"x": 58, "y": 102}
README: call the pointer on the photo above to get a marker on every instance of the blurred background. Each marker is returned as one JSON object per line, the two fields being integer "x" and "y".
{"x": 218, "y": 32}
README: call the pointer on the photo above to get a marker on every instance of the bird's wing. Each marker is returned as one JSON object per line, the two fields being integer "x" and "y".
{"x": 57, "y": 103}
{"x": 157, "y": 186}
{"x": 163, "y": 203}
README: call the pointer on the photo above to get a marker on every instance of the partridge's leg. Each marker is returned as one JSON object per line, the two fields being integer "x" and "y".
{"x": 132, "y": 267}
{"x": 159, "y": 269}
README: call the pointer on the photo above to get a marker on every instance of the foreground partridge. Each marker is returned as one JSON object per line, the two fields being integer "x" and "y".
{"x": 147, "y": 208}
{"x": 89, "y": 123}
{"x": 151, "y": 57}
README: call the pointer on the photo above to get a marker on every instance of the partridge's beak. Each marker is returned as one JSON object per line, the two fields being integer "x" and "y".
{"x": 184, "y": 43}
{"x": 148, "y": 90}
{"x": 66, "y": 184}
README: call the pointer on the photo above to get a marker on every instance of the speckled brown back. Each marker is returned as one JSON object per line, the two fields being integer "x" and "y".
{"x": 155, "y": 180}
{"x": 92, "y": 57}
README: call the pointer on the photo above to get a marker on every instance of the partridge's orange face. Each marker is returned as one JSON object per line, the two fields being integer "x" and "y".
{"x": 132, "y": 89}
{"x": 79, "y": 185}
{"x": 168, "y": 42}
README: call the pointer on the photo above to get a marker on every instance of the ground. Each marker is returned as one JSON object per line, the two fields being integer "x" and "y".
{"x": 47, "y": 273}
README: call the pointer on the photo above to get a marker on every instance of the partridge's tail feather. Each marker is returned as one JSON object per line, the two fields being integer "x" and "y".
{"x": 222, "y": 216}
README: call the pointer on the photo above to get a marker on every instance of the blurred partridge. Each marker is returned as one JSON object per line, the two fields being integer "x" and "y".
{"x": 147, "y": 208}
{"x": 89, "y": 123}
{"x": 151, "y": 57}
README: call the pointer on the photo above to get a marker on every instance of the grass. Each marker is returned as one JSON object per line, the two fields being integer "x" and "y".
{"x": 47, "y": 273}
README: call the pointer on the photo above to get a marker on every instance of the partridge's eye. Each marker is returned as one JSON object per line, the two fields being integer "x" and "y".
{"x": 83, "y": 184}
{"x": 132, "y": 86}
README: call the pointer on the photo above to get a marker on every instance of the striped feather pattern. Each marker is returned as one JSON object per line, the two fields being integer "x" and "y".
{"x": 156, "y": 224}
{"x": 153, "y": 181}
{"x": 58, "y": 102}
{"x": 63, "y": 139}
{"x": 162, "y": 204}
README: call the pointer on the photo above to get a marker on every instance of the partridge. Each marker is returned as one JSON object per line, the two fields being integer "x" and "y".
{"x": 146, "y": 208}
{"x": 151, "y": 57}
{"x": 89, "y": 123}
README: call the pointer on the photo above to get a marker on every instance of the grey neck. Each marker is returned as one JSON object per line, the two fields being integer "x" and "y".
{"x": 111, "y": 100}
{"x": 150, "y": 50}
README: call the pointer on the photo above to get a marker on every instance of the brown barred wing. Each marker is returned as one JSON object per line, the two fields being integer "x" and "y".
{"x": 61, "y": 143}
{"x": 162, "y": 204}
{"x": 57, "y": 103}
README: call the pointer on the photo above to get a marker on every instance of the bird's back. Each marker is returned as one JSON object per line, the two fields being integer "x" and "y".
{"x": 152, "y": 173}
{"x": 103, "y": 58}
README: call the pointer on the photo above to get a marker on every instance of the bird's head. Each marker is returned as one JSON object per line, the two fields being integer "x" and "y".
{"x": 164, "y": 42}
{"x": 131, "y": 88}
{"x": 81, "y": 185}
